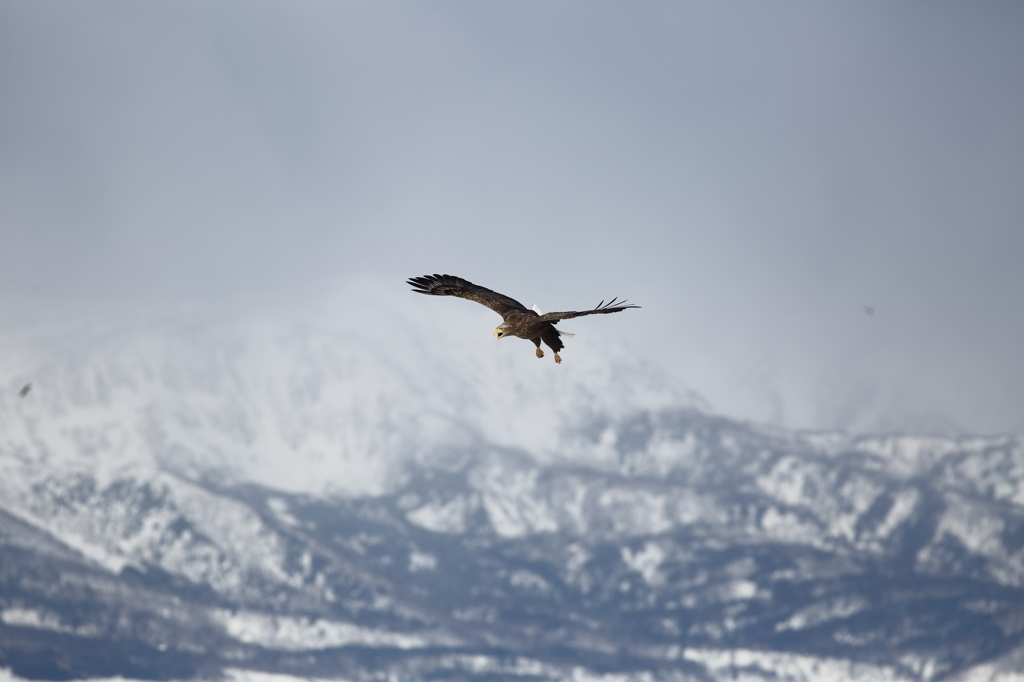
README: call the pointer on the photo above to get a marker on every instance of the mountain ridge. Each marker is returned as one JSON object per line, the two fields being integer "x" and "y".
{"x": 259, "y": 497}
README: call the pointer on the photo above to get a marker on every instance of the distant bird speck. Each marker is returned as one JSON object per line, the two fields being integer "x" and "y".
{"x": 868, "y": 310}
{"x": 24, "y": 390}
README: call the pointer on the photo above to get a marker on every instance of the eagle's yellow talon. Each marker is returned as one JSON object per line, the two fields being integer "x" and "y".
{"x": 558, "y": 360}
{"x": 540, "y": 353}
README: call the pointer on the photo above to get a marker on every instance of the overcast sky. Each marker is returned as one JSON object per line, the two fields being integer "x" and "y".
{"x": 819, "y": 205}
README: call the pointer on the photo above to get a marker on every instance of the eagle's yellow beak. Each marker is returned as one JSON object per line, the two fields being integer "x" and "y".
{"x": 497, "y": 333}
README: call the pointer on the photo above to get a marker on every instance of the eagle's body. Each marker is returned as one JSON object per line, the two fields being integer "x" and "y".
{"x": 518, "y": 319}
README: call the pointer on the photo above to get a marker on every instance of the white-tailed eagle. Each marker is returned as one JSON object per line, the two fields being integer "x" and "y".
{"x": 518, "y": 319}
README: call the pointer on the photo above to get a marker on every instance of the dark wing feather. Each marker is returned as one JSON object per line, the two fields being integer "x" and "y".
{"x": 612, "y": 306}
{"x": 449, "y": 285}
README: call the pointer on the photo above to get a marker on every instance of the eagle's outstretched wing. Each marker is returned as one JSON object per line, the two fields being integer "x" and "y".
{"x": 449, "y": 285}
{"x": 612, "y": 306}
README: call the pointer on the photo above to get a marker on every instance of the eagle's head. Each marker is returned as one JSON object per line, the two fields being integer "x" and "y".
{"x": 499, "y": 332}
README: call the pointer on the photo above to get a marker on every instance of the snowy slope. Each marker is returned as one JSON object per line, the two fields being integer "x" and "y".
{"x": 346, "y": 490}
{"x": 327, "y": 398}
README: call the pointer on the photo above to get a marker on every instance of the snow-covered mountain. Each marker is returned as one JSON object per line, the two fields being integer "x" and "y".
{"x": 378, "y": 490}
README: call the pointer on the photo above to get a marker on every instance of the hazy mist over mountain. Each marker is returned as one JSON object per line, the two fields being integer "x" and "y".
{"x": 756, "y": 176}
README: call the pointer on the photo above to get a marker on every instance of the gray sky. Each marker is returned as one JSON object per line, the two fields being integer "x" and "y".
{"x": 754, "y": 174}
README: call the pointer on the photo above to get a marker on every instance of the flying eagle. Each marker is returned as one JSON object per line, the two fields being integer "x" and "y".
{"x": 518, "y": 319}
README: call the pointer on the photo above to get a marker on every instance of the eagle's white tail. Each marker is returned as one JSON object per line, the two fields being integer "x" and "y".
{"x": 566, "y": 335}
